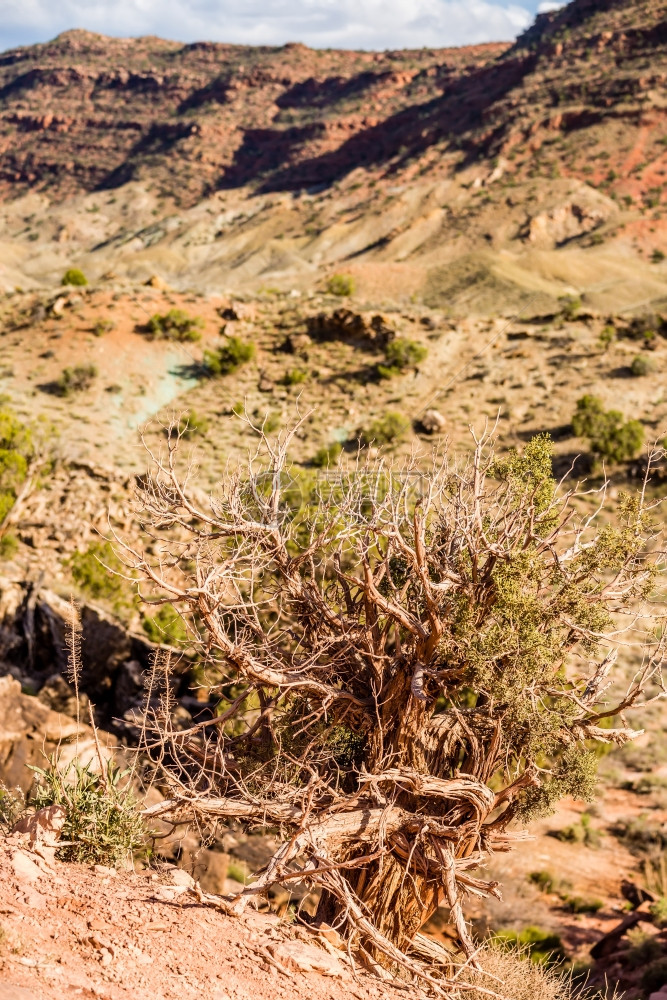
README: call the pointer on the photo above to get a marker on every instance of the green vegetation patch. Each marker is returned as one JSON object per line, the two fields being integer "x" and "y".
{"x": 541, "y": 946}
{"x": 96, "y": 570}
{"x": 230, "y": 357}
{"x": 76, "y": 379}
{"x": 17, "y": 448}
{"x": 73, "y": 276}
{"x": 166, "y": 626}
{"x": 175, "y": 325}
{"x": 385, "y": 430}
{"x": 341, "y": 284}
{"x": 610, "y": 435}
{"x": 400, "y": 356}
{"x": 103, "y": 823}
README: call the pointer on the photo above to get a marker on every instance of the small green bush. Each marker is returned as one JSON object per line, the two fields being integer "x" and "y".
{"x": 657, "y": 256}
{"x": 580, "y": 833}
{"x": 543, "y": 947}
{"x": 89, "y": 571}
{"x": 644, "y": 948}
{"x": 166, "y": 626}
{"x": 73, "y": 276}
{"x": 327, "y": 455}
{"x": 294, "y": 376}
{"x": 175, "y": 325}
{"x": 236, "y": 872}
{"x": 230, "y": 357}
{"x": 610, "y": 436}
{"x": 400, "y": 355}
{"x": 8, "y": 544}
{"x": 16, "y": 450}
{"x": 579, "y": 904}
{"x": 76, "y": 379}
{"x": 190, "y": 425}
{"x": 658, "y": 911}
{"x": 570, "y": 306}
{"x": 103, "y": 326}
{"x": 102, "y": 819}
{"x": 545, "y": 881}
{"x": 385, "y": 430}
{"x": 607, "y": 337}
{"x": 641, "y": 365}
{"x": 655, "y": 975}
{"x": 341, "y": 284}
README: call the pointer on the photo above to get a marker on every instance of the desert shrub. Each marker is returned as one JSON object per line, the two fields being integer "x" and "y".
{"x": 12, "y": 807}
{"x": 230, "y": 357}
{"x": 641, "y": 365}
{"x": 385, "y": 430}
{"x": 400, "y": 355}
{"x": 17, "y": 448}
{"x": 102, "y": 818}
{"x": 103, "y": 326}
{"x": 175, "y": 325}
{"x": 341, "y": 284}
{"x": 545, "y": 881}
{"x": 610, "y": 436}
{"x": 658, "y": 911}
{"x": 76, "y": 379}
{"x": 73, "y": 276}
{"x": 509, "y": 974}
{"x": 237, "y": 872}
{"x": 570, "y": 306}
{"x": 654, "y": 975}
{"x": 657, "y": 256}
{"x": 190, "y": 425}
{"x": 89, "y": 570}
{"x": 543, "y": 947}
{"x": 580, "y": 833}
{"x": 430, "y": 632}
{"x": 607, "y": 336}
{"x": 327, "y": 455}
{"x": 166, "y": 626}
{"x": 641, "y": 835}
{"x": 644, "y": 948}
{"x": 580, "y": 904}
{"x": 9, "y": 543}
{"x": 294, "y": 376}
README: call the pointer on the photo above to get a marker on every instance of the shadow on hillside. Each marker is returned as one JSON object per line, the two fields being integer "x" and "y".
{"x": 404, "y": 135}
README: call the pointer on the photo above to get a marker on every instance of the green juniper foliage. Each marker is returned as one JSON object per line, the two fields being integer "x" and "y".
{"x": 610, "y": 436}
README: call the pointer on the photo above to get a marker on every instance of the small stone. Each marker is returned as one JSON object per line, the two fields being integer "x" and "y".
{"x": 181, "y": 877}
{"x": 104, "y": 871}
{"x": 24, "y": 867}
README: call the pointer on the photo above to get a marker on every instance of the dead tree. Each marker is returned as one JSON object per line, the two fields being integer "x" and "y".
{"x": 406, "y": 661}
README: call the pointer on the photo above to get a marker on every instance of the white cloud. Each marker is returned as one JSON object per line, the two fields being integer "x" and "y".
{"x": 371, "y": 24}
{"x": 549, "y": 5}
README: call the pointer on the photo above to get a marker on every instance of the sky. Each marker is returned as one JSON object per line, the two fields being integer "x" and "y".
{"x": 368, "y": 24}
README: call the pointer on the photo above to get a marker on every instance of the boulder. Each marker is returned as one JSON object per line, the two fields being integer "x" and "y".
{"x": 433, "y": 422}
{"x": 29, "y": 731}
{"x": 351, "y": 328}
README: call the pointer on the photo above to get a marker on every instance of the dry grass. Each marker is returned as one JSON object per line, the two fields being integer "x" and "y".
{"x": 513, "y": 977}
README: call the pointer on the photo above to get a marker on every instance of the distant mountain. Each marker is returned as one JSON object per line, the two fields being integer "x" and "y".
{"x": 581, "y": 94}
